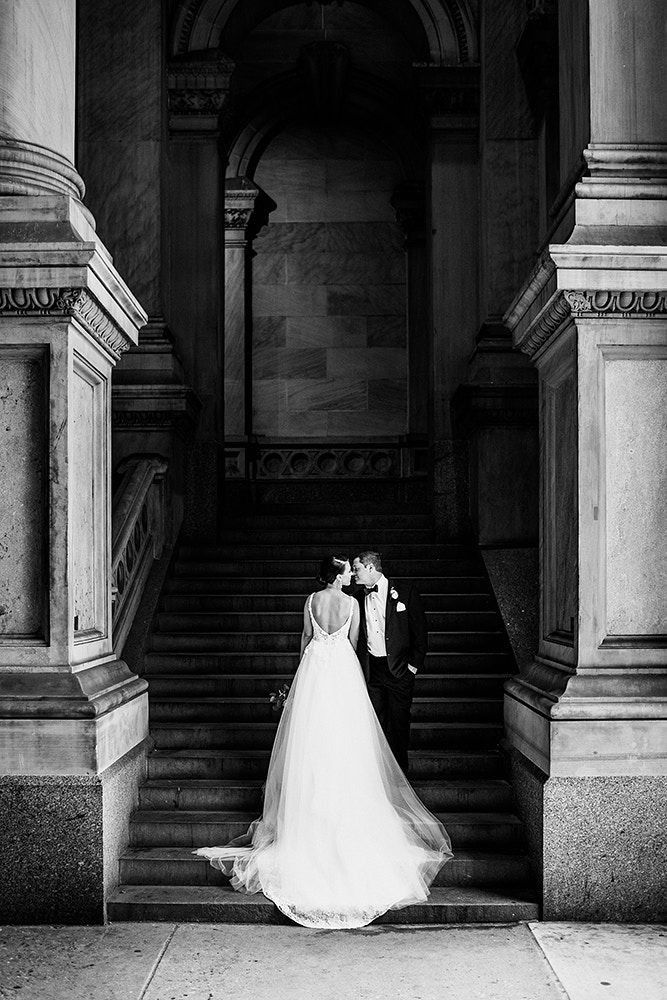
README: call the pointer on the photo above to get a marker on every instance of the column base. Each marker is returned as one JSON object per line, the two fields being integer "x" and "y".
{"x": 62, "y": 837}
{"x": 597, "y": 844}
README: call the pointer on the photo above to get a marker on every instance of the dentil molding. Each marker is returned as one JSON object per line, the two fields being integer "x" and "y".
{"x": 66, "y": 302}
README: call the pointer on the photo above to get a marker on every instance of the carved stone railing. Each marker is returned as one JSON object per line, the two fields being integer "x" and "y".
{"x": 138, "y": 536}
{"x": 280, "y": 460}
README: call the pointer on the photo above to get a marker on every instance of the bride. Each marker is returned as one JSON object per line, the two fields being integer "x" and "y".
{"x": 342, "y": 837}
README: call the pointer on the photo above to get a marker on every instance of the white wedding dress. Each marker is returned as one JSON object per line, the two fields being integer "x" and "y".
{"x": 342, "y": 838}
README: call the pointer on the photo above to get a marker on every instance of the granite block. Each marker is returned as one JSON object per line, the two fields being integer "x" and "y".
{"x": 362, "y": 237}
{"x": 362, "y": 300}
{"x": 326, "y": 331}
{"x": 387, "y": 394}
{"x": 605, "y": 851}
{"x": 269, "y": 331}
{"x": 356, "y": 423}
{"x": 386, "y": 331}
{"x": 269, "y": 268}
{"x": 300, "y": 424}
{"x": 326, "y": 394}
{"x": 372, "y": 362}
{"x": 289, "y": 300}
{"x": 290, "y": 237}
{"x": 268, "y": 394}
{"x": 346, "y": 268}
{"x": 304, "y": 363}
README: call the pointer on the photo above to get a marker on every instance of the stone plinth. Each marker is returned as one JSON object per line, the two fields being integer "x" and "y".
{"x": 72, "y": 716}
{"x": 590, "y": 712}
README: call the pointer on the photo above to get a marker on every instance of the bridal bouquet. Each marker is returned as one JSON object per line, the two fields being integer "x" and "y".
{"x": 279, "y": 697}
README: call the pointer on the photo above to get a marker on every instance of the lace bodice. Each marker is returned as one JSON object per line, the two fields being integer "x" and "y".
{"x": 320, "y": 634}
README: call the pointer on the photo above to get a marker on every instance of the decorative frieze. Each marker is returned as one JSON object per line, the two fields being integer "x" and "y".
{"x": 315, "y": 462}
{"x": 74, "y": 302}
{"x": 617, "y": 304}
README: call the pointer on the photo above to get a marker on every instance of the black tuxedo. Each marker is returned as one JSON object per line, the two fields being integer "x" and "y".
{"x": 390, "y": 682}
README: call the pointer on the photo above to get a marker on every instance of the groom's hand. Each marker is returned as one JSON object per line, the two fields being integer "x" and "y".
{"x": 413, "y": 669}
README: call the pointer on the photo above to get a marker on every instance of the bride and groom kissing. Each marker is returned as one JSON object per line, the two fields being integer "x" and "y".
{"x": 343, "y": 837}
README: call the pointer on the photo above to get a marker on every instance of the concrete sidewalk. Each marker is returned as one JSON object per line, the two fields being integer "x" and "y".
{"x": 541, "y": 961}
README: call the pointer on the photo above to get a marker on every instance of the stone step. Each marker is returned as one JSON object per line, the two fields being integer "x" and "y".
{"x": 216, "y": 764}
{"x": 292, "y": 621}
{"x": 206, "y": 828}
{"x": 281, "y": 603}
{"x": 304, "y": 584}
{"x": 354, "y": 539}
{"x": 221, "y": 904}
{"x": 246, "y": 794}
{"x": 260, "y": 735}
{"x": 277, "y": 663}
{"x": 261, "y": 685}
{"x": 313, "y": 552}
{"x": 235, "y": 567}
{"x": 217, "y": 710}
{"x": 277, "y": 642}
{"x": 178, "y": 866}
{"x": 324, "y": 519}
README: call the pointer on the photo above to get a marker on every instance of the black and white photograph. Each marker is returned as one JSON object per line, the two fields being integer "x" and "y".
{"x": 333, "y": 500}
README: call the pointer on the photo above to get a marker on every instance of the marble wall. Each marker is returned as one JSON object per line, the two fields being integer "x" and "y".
{"x": 22, "y": 520}
{"x": 329, "y": 297}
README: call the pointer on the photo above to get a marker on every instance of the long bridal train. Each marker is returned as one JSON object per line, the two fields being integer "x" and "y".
{"x": 342, "y": 838}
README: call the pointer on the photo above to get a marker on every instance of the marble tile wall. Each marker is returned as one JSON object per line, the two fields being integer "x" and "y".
{"x": 329, "y": 298}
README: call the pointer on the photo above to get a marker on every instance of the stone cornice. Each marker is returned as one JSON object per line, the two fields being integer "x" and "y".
{"x": 450, "y": 95}
{"x": 67, "y": 302}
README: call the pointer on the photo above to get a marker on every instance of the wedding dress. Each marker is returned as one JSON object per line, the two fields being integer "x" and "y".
{"x": 342, "y": 838}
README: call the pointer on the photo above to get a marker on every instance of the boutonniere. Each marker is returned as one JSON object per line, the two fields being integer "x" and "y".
{"x": 393, "y": 594}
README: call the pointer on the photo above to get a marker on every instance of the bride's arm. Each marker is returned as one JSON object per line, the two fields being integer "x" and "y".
{"x": 307, "y": 633}
{"x": 354, "y": 626}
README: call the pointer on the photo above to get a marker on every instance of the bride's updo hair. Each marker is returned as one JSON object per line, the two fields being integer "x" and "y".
{"x": 330, "y": 568}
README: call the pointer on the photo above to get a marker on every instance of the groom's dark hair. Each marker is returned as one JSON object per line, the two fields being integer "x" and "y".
{"x": 371, "y": 557}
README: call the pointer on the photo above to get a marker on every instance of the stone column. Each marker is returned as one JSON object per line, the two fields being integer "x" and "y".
{"x": 587, "y": 719}
{"x": 72, "y": 716}
{"x": 409, "y": 203}
{"x": 121, "y": 146}
{"x": 451, "y": 97}
{"x": 195, "y": 291}
{"x": 246, "y": 212}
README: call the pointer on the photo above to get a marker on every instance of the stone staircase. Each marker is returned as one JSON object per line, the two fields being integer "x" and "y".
{"x": 227, "y": 634}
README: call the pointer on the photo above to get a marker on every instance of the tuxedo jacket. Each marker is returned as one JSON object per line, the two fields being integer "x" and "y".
{"x": 405, "y": 631}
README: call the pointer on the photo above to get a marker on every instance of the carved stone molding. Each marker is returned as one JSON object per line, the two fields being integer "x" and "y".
{"x": 450, "y": 95}
{"x": 198, "y": 88}
{"x": 621, "y": 304}
{"x": 63, "y": 302}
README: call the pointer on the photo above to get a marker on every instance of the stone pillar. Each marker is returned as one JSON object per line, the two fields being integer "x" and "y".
{"x": 246, "y": 212}
{"x": 587, "y": 719}
{"x": 451, "y": 97}
{"x": 410, "y": 205}
{"x": 195, "y": 290}
{"x": 121, "y": 143}
{"x": 72, "y": 716}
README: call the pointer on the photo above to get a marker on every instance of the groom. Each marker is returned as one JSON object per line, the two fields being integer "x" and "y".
{"x": 391, "y": 648}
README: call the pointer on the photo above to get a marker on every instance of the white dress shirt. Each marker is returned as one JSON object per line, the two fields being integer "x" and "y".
{"x": 376, "y": 605}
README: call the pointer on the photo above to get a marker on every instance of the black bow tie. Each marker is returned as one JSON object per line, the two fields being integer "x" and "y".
{"x": 372, "y": 590}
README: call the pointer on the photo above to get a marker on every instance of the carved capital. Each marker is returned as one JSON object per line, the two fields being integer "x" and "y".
{"x": 247, "y": 208}
{"x": 198, "y": 88}
{"x": 66, "y": 302}
{"x": 450, "y": 95}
